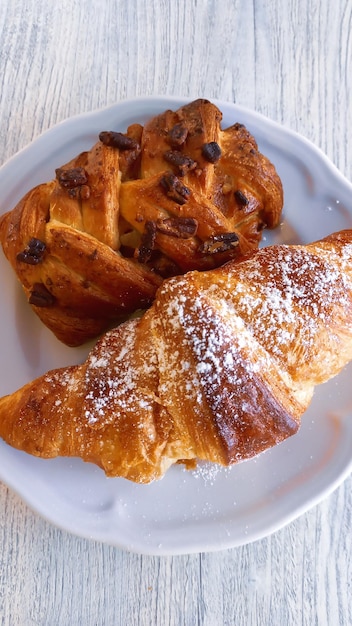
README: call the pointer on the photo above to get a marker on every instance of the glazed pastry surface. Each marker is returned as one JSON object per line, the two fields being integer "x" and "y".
{"x": 93, "y": 245}
{"x": 221, "y": 367}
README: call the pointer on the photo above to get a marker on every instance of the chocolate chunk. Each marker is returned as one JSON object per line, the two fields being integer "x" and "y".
{"x": 177, "y": 135}
{"x": 241, "y": 198}
{"x": 41, "y": 296}
{"x": 70, "y": 179}
{"x": 182, "y": 227}
{"x": 146, "y": 247}
{"x": 174, "y": 188}
{"x": 183, "y": 162}
{"x": 33, "y": 253}
{"x": 219, "y": 243}
{"x": 117, "y": 140}
{"x": 211, "y": 151}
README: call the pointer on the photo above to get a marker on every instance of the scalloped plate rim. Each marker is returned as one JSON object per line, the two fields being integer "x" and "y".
{"x": 33, "y": 500}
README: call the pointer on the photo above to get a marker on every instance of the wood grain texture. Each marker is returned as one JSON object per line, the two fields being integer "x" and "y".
{"x": 292, "y": 61}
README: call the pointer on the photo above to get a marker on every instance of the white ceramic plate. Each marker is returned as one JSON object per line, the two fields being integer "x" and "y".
{"x": 210, "y": 509}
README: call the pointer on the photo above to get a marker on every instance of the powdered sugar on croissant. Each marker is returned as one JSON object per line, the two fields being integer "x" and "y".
{"x": 220, "y": 368}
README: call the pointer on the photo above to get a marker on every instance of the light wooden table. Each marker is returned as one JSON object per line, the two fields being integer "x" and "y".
{"x": 292, "y": 61}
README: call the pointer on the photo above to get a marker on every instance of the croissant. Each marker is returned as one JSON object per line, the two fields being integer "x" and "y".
{"x": 220, "y": 368}
{"x": 93, "y": 245}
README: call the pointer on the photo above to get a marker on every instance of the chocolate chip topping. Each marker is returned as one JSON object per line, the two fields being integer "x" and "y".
{"x": 182, "y": 227}
{"x": 33, "y": 253}
{"x": 174, "y": 188}
{"x": 177, "y": 135}
{"x": 146, "y": 247}
{"x": 40, "y": 296}
{"x": 183, "y": 162}
{"x": 113, "y": 139}
{"x": 70, "y": 179}
{"x": 211, "y": 151}
{"x": 241, "y": 198}
{"x": 219, "y": 243}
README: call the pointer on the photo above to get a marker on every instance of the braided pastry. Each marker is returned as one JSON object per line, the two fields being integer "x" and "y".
{"x": 93, "y": 245}
{"x": 220, "y": 368}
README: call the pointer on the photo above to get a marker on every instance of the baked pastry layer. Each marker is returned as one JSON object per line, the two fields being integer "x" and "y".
{"x": 93, "y": 245}
{"x": 220, "y": 368}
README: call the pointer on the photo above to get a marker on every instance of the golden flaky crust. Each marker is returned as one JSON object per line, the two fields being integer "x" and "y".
{"x": 220, "y": 368}
{"x": 93, "y": 245}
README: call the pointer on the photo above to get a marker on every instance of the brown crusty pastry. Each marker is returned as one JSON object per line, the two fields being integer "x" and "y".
{"x": 93, "y": 245}
{"x": 220, "y": 368}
